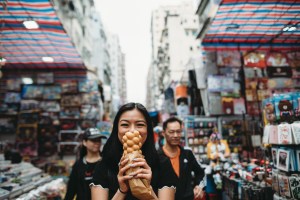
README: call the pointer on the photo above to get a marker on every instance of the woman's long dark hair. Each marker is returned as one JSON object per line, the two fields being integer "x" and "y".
{"x": 113, "y": 149}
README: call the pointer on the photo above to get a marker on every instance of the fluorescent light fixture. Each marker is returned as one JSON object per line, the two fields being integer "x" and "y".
{"x": 27, "y": 80}
{"x": 47, "y": 59}
{"x": 30, "y": 24}
{"x": 289, "y": 28}
{"x": 292, "y": 28}
{"x": 286, "y": 28}
{"x": 2, "y": 61}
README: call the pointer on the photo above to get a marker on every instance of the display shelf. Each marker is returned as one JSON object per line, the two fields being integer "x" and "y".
{"x": 67, "y": 148}
{"x": 50, "y": 102}
{"x": 198, "y": 129}
{"x": 69, "y": 135}
{"x": 4, "y": 194}
{"x": 70, "y": 118}
{"x": 282, "y": 134}
{"x": 196, "y": 133}
{"x": 4, "y": 115}
{"x": 21, "y": 179}
{"x": 47, "y": 188}
{"x": 8, "y": 124}
{"x": 237, "y": 129}
{"x": 47, "y": 139}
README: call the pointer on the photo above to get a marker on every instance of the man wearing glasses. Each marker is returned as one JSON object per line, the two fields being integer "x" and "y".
{"x": 181, "y": 162}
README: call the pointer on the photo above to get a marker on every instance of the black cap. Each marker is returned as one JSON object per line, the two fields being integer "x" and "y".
{"x": 92, "y": 133}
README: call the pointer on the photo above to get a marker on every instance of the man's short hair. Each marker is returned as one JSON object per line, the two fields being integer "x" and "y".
{"x": 170, "y": 120}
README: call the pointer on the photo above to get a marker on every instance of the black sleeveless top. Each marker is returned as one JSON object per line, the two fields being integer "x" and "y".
{"x": 107, "y": 178}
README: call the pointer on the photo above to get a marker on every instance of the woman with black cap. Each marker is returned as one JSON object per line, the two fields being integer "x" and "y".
{"x": 82, "y": 170}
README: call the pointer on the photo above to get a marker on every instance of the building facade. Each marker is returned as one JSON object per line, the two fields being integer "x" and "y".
{"x": 118, "y": 85}
{"x": 100, "y": 50}
{"x": 174, "y": 30}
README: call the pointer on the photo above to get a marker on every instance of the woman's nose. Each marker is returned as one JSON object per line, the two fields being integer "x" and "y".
{"x": 132, "y": 128}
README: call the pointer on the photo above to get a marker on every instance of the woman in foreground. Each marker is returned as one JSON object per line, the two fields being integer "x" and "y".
{"x": 110, "y": 180}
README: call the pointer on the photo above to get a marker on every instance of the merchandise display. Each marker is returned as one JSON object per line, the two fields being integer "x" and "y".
{"x": 224, "y": 85}
{"x": 37, "y": 112}
{"x": 229, "y": 165}
{"x": 55, "y": 189}
{"x": 264, "y": 73}
{"x": 68, "y": 141}
{"x": 231, "y": 129}
{"x": 197, "y": 131}
{"x": 273, "y": 73}
{"x": 8, "y": 125}
{"x": 24, "y": 181}
{"x": 44, "y": 122}
{"x": 281, "y": 131}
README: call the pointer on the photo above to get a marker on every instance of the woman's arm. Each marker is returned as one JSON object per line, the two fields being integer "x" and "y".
{"x": 99, "y": 193}
{"x": 166, "y": 193}
{"x": 119, "y": 195}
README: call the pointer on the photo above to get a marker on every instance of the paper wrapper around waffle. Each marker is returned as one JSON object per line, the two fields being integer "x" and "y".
{"x": 140, "y": 188}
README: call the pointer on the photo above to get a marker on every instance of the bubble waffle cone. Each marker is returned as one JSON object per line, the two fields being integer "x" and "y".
{"x": 132, "y": 143}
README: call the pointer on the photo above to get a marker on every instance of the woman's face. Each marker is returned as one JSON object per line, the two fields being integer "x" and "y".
{"x": 92, "y": 145}
{"x": 132, "y": 120}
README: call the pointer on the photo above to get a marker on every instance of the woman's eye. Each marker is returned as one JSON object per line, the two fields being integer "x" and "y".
{"x": 140, "y": 125}
{"x": 124, "y": 125}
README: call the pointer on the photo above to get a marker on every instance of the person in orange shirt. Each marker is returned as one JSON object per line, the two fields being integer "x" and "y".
{"x": 181, "y": 162}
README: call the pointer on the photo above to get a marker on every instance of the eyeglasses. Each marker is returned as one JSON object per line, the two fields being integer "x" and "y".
{"x": 172, "y": 132}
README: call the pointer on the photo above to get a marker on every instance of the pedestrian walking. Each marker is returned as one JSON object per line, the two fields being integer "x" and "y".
{"x": 82, "y": 170}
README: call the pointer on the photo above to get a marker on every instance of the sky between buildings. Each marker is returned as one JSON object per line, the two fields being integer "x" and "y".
{"x": 131, "y": 21}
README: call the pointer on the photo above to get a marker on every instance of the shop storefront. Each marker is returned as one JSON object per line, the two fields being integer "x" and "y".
{"x": 48, "y": 97}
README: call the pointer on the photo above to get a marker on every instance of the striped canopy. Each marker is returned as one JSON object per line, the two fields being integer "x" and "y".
{"x": 24, "y": 48}
{"x": 255, "y": 25}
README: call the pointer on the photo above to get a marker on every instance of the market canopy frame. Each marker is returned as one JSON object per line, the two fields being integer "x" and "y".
{"x": 248, "y": 25}
{"x": 45, "y": 47}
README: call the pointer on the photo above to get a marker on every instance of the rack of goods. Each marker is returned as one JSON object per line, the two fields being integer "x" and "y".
{"x": 282, "y": 134}
{"x": 197, "y": 131}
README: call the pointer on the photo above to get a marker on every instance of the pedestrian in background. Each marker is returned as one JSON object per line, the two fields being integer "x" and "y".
{"x": 110, "y": 180}
{"x": 181, "y": 162}
{"x": 82, "y": 170}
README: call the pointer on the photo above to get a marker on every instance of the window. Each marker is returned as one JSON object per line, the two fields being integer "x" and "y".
{"x": 194, "y": 31}
{"x": 83, "y": 31}
{"x": 187, "y": 32}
